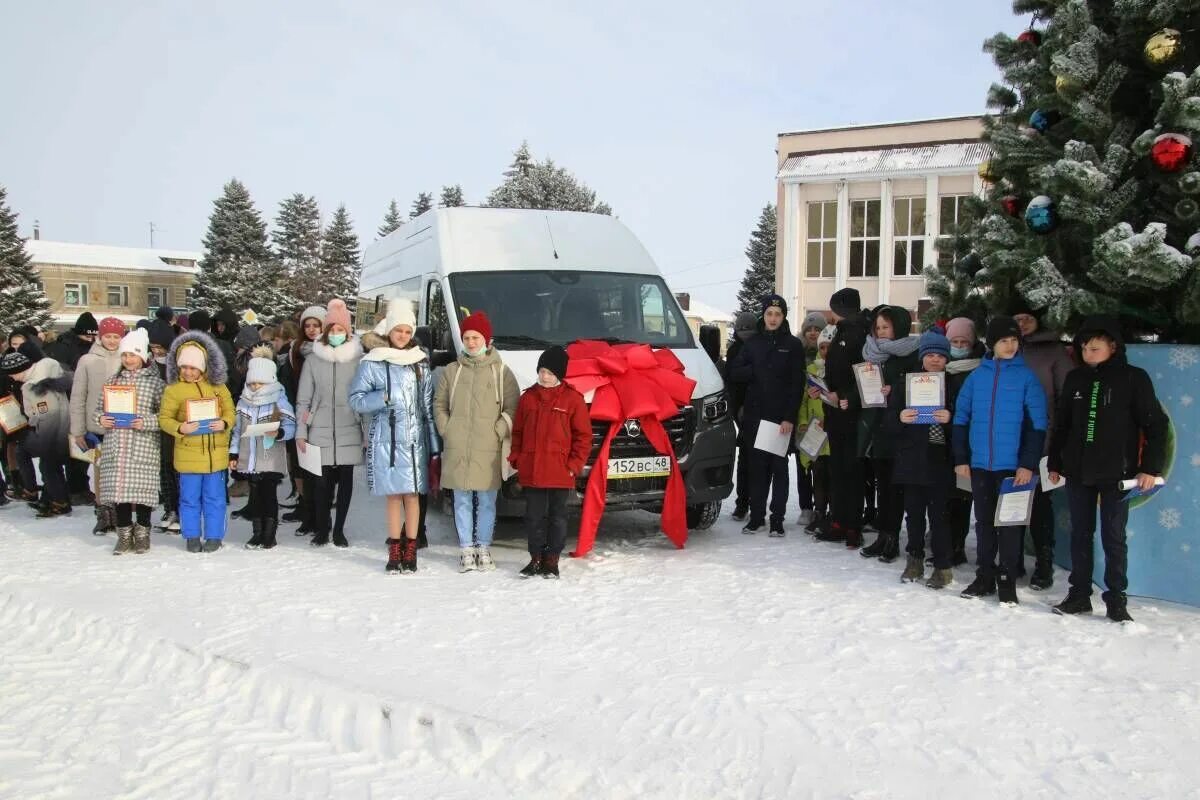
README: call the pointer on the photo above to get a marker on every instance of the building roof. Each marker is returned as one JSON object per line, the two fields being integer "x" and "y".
{"x": 706, "y": 313}
{"x": 899, "y": 124}
{"x": 954, "y": 156}
{"x": 108, "y": 257}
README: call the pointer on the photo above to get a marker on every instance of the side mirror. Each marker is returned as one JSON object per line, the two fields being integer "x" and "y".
{"x": 710, "y": 340}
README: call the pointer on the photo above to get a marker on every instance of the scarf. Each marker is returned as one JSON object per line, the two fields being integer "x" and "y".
{"x": 267, "y": 394}
{"x": 404, "y": 358}
{"x": 962, "y": 365}
{"x": 877, "y": 351}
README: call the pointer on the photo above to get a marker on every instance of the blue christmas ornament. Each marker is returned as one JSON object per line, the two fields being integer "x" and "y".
{"x": 1042, "y": 121}
{"x": 1040, "y": 215}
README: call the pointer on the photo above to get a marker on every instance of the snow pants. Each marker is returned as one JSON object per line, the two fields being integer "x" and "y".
{"x": 1114, "y": 513}
{"x": 202, "y": 498}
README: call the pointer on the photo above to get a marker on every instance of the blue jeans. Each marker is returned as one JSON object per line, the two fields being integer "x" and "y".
{"x": 474, "y": 512}
{"x": 202, "y": 496}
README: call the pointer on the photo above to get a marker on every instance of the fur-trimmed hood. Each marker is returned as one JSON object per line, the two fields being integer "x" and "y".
{"x": 346, "y": 352}
{"x": 217, "y": 371}
{"x": 48, "y": 375}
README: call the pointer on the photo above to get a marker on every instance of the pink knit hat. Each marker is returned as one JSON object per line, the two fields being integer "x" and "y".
{"x": 336, "y": 313}
{"x": 961, "y": 326}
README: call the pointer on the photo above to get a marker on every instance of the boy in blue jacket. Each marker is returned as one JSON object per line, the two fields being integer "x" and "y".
{"x": 999, "y": 432}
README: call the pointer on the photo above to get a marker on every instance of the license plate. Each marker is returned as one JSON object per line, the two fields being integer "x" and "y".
{"x": 644, "y": 467}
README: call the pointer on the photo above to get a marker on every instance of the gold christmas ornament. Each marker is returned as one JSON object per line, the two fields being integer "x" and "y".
{"x": 1066, "y": 86}
{"x": 1163, "y": 48}
{"x": 986, "y": 173}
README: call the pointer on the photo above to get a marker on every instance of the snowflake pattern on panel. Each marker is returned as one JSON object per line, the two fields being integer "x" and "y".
{"x": 1183, "y": 357}
{"x": 1170, "y": 519}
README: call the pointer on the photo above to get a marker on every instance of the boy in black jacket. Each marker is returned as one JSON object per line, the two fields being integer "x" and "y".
{"x": 771, "y": 364}
{"x": 1105, "y": 407}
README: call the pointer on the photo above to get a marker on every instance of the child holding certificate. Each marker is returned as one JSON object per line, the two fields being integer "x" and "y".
{"x": 128, "y": 467}
{"x": 812, "y": 410}
{"x": 999, "y": 430}
{"x": 256, "y": 449}
{"x": 198, "y": 411}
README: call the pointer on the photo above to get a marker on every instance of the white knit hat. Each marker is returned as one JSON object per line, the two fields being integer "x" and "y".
{"x": 316, "y": 312}
{"x": 261, "y": 368}
{"x": 827, "y": 334}
{"x": 399, "y": 312}
{"x": 137, "y": 341}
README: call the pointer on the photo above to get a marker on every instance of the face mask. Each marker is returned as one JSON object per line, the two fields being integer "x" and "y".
{"x": 337, "y": 339}
{"x": 960, "y": 352}
{"x": 475, "y": 353}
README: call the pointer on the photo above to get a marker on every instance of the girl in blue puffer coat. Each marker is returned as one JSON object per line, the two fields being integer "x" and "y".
{"x": 999, "y": 431}
{"x": 393, "y": 390}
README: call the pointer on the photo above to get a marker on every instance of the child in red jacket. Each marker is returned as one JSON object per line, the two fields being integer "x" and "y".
{"x": 551, "y": 439}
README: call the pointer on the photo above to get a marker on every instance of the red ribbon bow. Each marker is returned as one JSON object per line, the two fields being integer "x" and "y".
{"x": 630, "y": 381}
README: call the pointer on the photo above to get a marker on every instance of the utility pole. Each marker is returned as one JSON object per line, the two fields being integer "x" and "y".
{"x": 152, "y": 229}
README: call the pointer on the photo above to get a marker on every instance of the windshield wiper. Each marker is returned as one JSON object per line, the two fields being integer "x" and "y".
{"x": 519, "y": 339}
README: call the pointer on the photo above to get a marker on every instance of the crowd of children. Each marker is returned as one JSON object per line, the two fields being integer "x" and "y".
{"x": 313, "y": 400}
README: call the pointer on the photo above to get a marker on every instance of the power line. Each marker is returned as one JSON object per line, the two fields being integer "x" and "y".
{"x": 705, "y": 264}
{"x": 713, "y": 283}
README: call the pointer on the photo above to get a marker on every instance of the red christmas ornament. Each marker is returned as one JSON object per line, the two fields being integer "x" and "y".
{"x": 1171, "y": 151}
{"x": 1030, "y": 37}
{"x": 1011, "y": 205}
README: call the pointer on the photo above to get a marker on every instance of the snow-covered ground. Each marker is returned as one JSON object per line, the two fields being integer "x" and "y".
{"x": 739, "y": 667}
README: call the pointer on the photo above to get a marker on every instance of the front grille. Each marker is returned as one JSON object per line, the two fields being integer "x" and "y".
{"x": 680, "y": 428}
{"x": 627, "y": 485}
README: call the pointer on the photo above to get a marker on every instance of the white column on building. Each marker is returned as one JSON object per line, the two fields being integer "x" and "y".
{"x": 887, "y": 233}
{"x": 843, "y": 235}
{"x": 933, "y": 221}
{"x": 791, "y": 283}
{"x": 977, "y": 185}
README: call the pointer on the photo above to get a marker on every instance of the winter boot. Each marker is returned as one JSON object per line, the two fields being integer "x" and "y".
{"x": 776, "y": 530}
{"x": 256, "y": 537}
{"x": 980, "y": 587}
{"x": 891, "y": 547}
{"x": 533, "y": 567}
{"x": 241, "y": 512}
{"x": 940, "y": 579}
{"x": 1117, "y": 608}
{"x": 212, "y": 545}
{"x": 340, "y": 540}
{"x": 834, "y": 533}
{"x": 409, "y": 562}
{"x": 320, "y": 539}
{"x": 124, "y": 542}
{"x": 483, "y": 559}
{"x": 466, "y": 560}
{"x": 740, "y": 512}
{"x": 170, "y": 523}
{"x": 270, "y": 526}
{"x": 817, "y": 523}
{"x": 141, "y": 539}
{"x": 106, "y": 520}
{"x": 853, "y": 539}
{"x": 54, "y": 509}
{"x": 550, "y": 566}
{"x": 1074, "y": 603}
{"x": 293, "y": 516}
{"x": 753, "y": 527}
{"x": 1043, "y": 571}
{"x": 1006, "y": 589}
{"x": 395, "y": 552}
{"x": 194, "y": 545}
{"x": 422, "y": 540}
{"x": 875, "y": 548}
{"x": 914, "y": 570}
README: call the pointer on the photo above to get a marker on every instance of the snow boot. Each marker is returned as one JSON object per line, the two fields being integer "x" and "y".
{"x": 483, "y": 559}
{"x": 340, "y": 540}
{"x": 270, "y": 526}
{"x": 141, "y": 539}
{"x": 1043, "y": 571}
{"x": 550, "y": 566}
{"x": 395, "y": 552}
{"x": 106, "y": 520}
{"x": 532, "y": 568}
{"x": 875, "y": 548}
{"x": 914, "y": 570}
{"x": 320, "y": 539}
{"x": 212, "y": 545}
{"x": 422, "y": 540}
{"x": 194, "y": 545}
{"x": 834, "y": 533}
{"x": 409, "y": 562}
{"x": 241, "y": 512}
{"x": 940, "y": 579}
{"x": 1117, "y": 607}
{"x": 169, "y": 523}
{"x": 980, "y": 587}
{"x": 776, "y": 530}
{"x": 124, "y": 542}
{"x": 891, "y": 547}
{"x": 853, "y": 539}
{"x": 1074, "y": 603}
{"x": 293, "y": 516}
{"x": 1006, "y": 589}
{"x": 753, "y": 527}
{"x": 816, "y": 523}
{"x": 256, "y": 537}
{"x": 740, "y": 512}
{"x": 54, "y": 509}
{"x": 466, "y": 560}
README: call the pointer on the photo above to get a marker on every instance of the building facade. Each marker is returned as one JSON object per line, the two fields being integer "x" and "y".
{"x": 128, "y": 283}
{"x": 864, "y": 207}
{"x": 697, "y": 313}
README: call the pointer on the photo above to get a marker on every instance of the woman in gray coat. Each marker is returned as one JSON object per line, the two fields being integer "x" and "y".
{"x": 94, "y": 369}
{"x": 324, "y": 418}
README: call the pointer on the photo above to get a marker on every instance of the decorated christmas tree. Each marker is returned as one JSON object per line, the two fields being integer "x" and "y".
{"x": 1092, "y": 201}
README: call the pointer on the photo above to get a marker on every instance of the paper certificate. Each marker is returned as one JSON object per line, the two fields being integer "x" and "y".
{"x": 870, "y": 385}
{"x": 260, "y": 429}
{"x": 771, "y": 439}
{"x": 204, "y": 410}
{"x": 90, "y": 455}
{"x": 962, "y": 484}
{"x": 120, "y": 403}
{"x": 1131, "y": 487}
{"x": 926, "y": 394}
{"x": 813, "y": 440}
{"x": 1047, "y": 484}
{"x": 1014, "y": 507}
{"x": 823, "y": 388}
{"x": 309, "y": 458}
{"x": 11, "y": 417}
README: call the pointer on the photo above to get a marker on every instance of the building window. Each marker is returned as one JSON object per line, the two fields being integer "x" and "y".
{"x": 157, "y": 297}
{"x": 118, "y": 296}
{"x": 953, "y": 211}
{"x": 821, "y": 258}
{"x": 864, "y": 239}
{"x": 75, "y": 294}
{"x": 908, "y": 215}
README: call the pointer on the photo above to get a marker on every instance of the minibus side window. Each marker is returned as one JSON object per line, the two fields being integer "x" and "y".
{"x": 435, "y": 315}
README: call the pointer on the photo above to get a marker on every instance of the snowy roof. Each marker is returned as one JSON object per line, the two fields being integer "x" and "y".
{"x": 706, "y": 313}
{"x": 108, "y": 257}
{"x": 951, "y": 156}
{"x": 857, "y": 126}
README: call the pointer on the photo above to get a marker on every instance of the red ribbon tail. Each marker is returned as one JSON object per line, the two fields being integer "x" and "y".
{"x": 595, "y": 497}
{"x": 674, "y": 510}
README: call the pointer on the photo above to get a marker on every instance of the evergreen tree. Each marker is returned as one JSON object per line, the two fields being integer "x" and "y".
{"x": 339, "y": 260}
{"x": 452, "y": 196}
{"x": 759, "y": 280}
{"x": 297, "y": 236}
{"x": 22, "y": 301}
{"x": 1092, "y": 204}
{"x": 238, "y": 270}
{"x": 423, "y": 203}
{"x": 532, "y": 184}
{"x": 391, "y": 220}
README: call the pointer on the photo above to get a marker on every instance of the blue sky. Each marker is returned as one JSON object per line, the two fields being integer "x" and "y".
{"x": 122, "y": 113}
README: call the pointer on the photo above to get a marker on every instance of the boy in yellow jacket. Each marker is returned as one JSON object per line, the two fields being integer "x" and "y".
{"x": 196, "y": 370}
